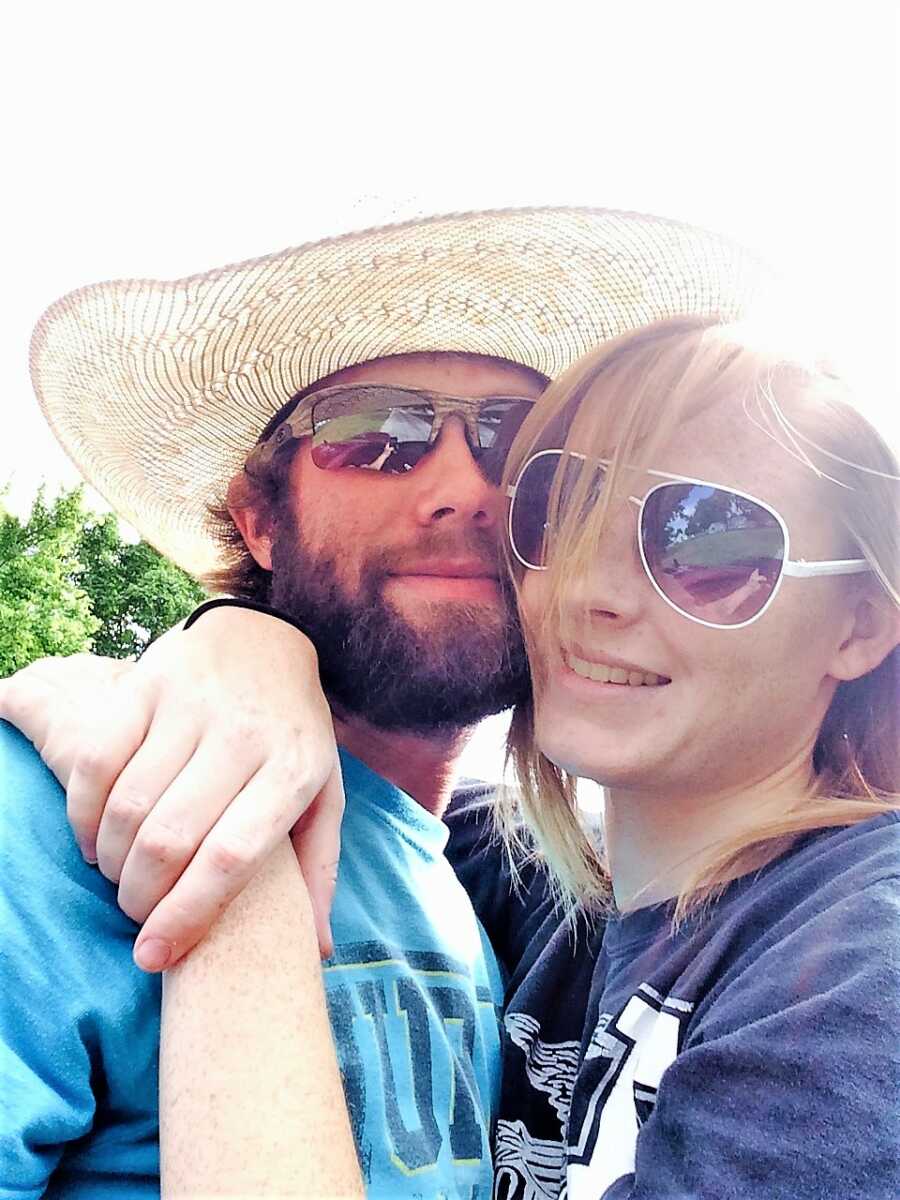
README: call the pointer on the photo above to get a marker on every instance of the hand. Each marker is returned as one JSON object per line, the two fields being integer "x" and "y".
{"x": 42, "y": 701}
{"x": 185, "y": 770}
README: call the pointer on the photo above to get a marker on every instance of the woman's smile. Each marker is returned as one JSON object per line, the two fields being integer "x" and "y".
{"x": 602, "y": 670}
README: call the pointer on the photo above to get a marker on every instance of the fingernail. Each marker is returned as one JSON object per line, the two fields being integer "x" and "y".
{"x": 153, "y": 955}
{"x": 88, "y": 853}
{"x": 326, "y": 944}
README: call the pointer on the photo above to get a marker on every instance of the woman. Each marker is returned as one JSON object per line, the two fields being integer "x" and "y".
{"x": 702, "y": 536}
{"x": 703, "y": 539}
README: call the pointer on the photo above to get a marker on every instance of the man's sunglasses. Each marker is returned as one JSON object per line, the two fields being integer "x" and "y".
{"x": 716, "y": 555}
{"x": 389, "y": 429}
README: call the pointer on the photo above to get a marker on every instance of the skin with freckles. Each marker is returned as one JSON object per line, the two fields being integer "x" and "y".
{"x": 742, "y": 707}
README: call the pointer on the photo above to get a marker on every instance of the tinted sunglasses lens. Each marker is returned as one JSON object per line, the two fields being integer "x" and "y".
{"x": 532, "y": 507}
{"x": 498, "y": 423}
{"x": 716, "y": 555}
{"x": 391, "y": 439}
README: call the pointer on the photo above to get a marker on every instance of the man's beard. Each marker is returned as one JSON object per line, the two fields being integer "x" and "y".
{"x": 461, "y": 662}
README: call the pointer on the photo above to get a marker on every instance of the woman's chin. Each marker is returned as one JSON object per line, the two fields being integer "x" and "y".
{"x": 607, "y": 765}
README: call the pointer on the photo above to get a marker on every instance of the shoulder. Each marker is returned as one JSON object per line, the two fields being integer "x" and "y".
{"x": 20, "y": 763}
{"x": 468, "y": 819}
{"x": 846, "y": 897}
{"x": 79, "y": 1023}
{"x": 819, "y": 927}
{"x": 475, "y": 846}
{"x": 512, "y": 899}
{"x": 55, "y": 908}
{"x": 871, "y": 844}
{"x": 816, "y": 930}
{"x": 832, "y": 868}
{"x": 39, "y": 856}
{"x": 31, "y": 799}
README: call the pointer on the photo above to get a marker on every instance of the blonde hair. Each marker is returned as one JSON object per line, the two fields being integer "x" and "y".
{"x": 694, "y": 363}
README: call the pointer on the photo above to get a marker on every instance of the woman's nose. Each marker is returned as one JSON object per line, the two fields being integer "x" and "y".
{"x": 613, "y": 587}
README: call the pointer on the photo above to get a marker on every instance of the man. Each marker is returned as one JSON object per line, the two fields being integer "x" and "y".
{"x": 417, "y": 565}
{"x": 383, "y": 546}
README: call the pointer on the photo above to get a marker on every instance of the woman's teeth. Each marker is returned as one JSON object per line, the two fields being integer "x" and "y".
{"x": 602, "y": 674}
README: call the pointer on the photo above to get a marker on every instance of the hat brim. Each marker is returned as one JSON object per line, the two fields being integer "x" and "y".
{"x": 158, "y": 390}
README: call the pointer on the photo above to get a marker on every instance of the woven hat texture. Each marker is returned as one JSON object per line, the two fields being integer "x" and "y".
{"x": 158, "y": 390}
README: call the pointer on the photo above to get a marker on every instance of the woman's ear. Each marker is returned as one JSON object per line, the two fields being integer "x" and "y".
{"x": 873, "y": 631}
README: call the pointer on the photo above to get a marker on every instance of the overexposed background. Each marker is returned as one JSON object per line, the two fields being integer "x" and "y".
{"x": 159, "y": 139}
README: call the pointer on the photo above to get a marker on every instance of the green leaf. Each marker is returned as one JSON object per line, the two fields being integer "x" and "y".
{"x": 69, "y": 583}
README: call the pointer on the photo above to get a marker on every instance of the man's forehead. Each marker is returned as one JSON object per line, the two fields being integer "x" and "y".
{"x": 454, "y": 372}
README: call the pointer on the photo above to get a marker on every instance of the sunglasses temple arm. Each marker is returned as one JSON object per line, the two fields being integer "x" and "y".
{"x": 842, "y": 566}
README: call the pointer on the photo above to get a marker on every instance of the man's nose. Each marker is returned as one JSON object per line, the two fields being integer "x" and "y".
{"x": 450, "y": 485}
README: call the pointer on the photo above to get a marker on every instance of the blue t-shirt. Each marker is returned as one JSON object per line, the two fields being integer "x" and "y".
{"x": 79, "y": 1023}
{"x": 754, "y": 1054}
{"x": 413, "y": 992}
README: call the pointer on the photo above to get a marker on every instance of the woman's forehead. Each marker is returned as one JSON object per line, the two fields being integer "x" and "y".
{"x": 724, "y": 444}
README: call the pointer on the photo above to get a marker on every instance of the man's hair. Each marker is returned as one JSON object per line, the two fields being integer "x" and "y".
{"x": 266, "y": 490}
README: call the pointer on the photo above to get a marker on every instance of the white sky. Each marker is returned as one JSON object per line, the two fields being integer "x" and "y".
{"x": 159, "y": 139}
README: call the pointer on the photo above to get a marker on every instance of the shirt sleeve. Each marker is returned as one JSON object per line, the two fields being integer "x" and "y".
{"x": 788, "y": 1086}
{"x": 60, "y": 930}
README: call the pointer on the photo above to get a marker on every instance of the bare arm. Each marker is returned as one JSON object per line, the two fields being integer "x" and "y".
{"x": 251, "y": 1102}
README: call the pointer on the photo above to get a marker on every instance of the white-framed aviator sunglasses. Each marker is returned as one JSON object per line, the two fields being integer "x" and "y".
{"x": 714, "y": 554}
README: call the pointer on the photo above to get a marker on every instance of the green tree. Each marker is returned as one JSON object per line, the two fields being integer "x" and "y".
{"x": 69, "y": 582}
{"x": 134, "y": 592}
{"x": 43, "y": 610}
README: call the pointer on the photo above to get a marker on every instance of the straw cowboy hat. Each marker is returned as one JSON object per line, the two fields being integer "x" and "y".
{"x": 158, "y": 390}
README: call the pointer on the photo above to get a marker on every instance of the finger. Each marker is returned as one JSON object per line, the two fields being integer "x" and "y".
{"x": 159, "y": 851}
{"x": 118, "y": 725}
{"x": 147, "y": 779}
{"x": 317, "y": 844}
{"x": 232, "y": 852}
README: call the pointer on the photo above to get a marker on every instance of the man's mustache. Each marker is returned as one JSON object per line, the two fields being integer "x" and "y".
{"x": 435, "y": 545}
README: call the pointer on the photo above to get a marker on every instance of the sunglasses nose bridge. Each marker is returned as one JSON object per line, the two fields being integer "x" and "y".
{"x": 465, "y": 413}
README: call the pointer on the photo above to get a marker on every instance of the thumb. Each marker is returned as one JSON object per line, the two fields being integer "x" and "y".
{"x": 316, "y": 838}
